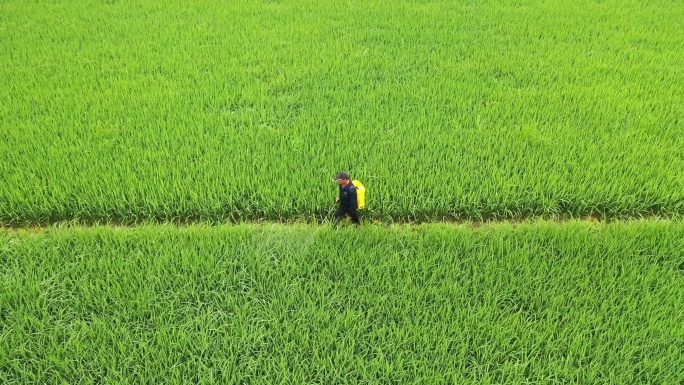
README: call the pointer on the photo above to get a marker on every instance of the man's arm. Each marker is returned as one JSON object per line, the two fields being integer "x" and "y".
{"x": 353, "y": 205}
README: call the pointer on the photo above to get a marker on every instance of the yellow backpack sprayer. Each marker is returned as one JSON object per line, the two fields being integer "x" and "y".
{"x": 360, "y": 193}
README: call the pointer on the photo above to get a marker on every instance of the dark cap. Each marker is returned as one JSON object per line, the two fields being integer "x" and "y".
{"x": 340, "y": 176}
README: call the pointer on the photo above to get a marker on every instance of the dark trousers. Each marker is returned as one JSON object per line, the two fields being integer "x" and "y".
{"x": 343, "y": 211}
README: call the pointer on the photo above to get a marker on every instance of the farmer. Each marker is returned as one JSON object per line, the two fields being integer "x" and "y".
{"x": 347, "y": 199}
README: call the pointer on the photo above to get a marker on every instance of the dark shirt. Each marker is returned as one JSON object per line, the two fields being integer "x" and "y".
{"x": 348, "y": 197}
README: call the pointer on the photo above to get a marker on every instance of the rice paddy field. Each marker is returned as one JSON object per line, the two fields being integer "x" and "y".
{"x": 165, "y": 192}
{"x": 226, "y": 110}
{"x": 543, "y": 303}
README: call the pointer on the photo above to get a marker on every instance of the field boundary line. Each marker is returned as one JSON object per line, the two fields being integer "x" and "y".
{"x": 472, "y": 223}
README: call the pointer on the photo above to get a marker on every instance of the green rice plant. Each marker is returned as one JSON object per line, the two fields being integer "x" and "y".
{"x": 131, "y": 110}
{"x": 543, "y": 303}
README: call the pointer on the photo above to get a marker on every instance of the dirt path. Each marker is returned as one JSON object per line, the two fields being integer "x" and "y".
{"x": 36, "y": 227}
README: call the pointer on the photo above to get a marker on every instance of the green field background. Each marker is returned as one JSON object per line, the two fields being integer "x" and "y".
{"x": 542, "y": 303}
{"x": 245, "y": 109}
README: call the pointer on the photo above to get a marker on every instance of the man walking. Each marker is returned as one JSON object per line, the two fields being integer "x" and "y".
{"x": 347, "y": 199}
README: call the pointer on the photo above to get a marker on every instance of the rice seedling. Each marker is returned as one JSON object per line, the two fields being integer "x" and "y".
{"x": 572, "y": 303}
{"x": 223, "y": 110}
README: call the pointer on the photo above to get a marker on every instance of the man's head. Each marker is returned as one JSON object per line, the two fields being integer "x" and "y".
{"x": 342, "y": 178}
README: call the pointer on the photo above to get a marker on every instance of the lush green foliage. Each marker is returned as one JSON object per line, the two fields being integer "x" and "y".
{"x": 545, "y": 303}
{"x": 225, "y": 109}
{"x": 141, "y": 110}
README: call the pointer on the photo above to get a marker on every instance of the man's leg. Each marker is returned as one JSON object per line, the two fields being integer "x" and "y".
{"x": 338, "y": 215}
{"x": 355, "y": 217}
